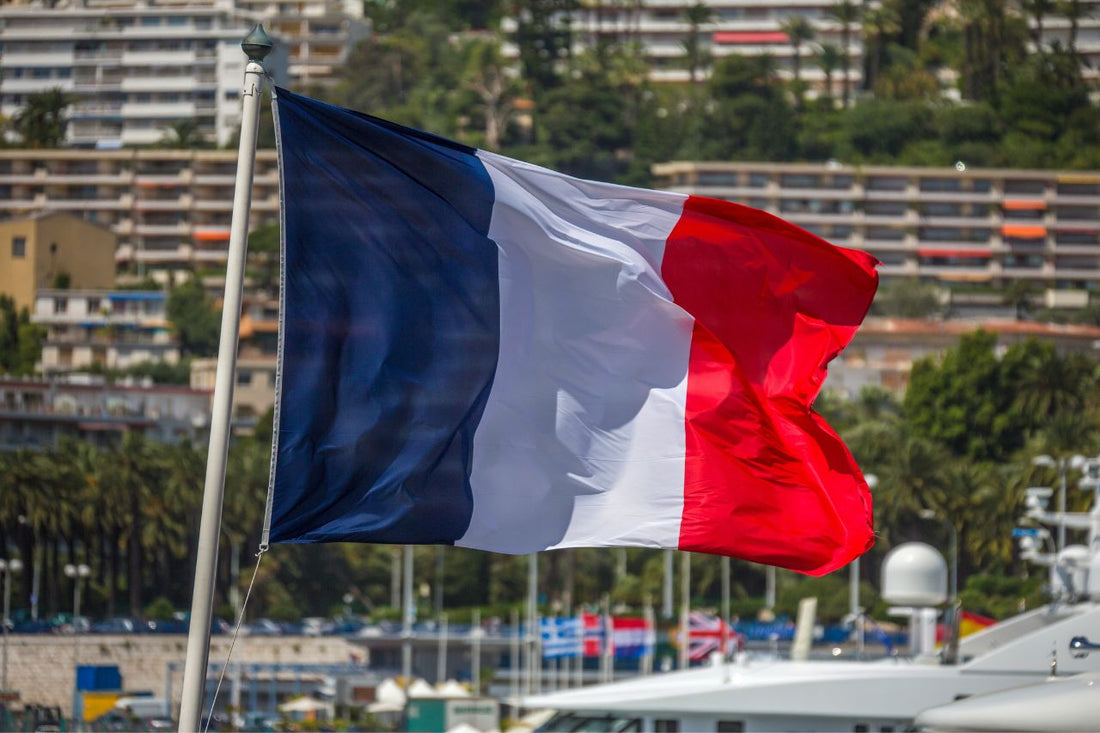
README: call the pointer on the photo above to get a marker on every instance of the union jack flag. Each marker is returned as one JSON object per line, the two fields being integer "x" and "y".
{"x": 706, "y": 634}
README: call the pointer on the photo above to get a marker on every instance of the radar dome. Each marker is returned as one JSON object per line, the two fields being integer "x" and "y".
{"x": 914, "y": 574}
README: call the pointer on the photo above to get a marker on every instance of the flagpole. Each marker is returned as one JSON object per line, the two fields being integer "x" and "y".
{"x": 685, "y": 608}
{"x": 475, "y": 653}
{"x": 256, "y": 46}
{"x": 407, "y": 619}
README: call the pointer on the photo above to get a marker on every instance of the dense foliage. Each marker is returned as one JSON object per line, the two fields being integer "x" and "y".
{"x": 959, "y": 445}
{"x": 978, "y": 85}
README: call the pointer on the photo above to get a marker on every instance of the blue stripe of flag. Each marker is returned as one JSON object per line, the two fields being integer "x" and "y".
{"x": 391, "y": 328}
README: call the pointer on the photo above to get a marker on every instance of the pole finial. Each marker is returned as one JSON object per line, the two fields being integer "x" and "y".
{"x": 257, "y": 44}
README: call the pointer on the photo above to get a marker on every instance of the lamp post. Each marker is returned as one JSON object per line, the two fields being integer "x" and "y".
{"x": 8, "y": 568}
{"x": 78, "y": 573}
{"x": 953, "y": 549}
{"x": 1061, "y": 463}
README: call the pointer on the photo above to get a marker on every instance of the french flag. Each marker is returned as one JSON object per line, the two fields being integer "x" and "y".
{"x": 482, "y": 352}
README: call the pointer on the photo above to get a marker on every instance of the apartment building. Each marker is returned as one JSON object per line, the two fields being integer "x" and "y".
{"x": 883, "y": 350}
{"x": 42, "y": 246}
{"x": 170, "y": 209}
{"x": 38, "y": 413}
{"x": 319, "y": 35}
{"x": 755, "y": 28}
{"x": 135, "y": 67}
{"x": 973, "y": 228}
{"x": 743, "y": 27}
{"x": 254, "y": 391}
{"x": 113, "y": 329}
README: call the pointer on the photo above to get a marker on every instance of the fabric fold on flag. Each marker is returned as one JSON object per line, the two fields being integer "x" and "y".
{"x": 482, "y": 352}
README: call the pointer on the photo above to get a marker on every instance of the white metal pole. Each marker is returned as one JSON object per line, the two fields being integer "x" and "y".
{"x": 685, "y": 608}
{"x": 1062, "y": 462}
{"x": 769, "y": 587}
{"x": 441, "y": 656}
{"x": 4, "y": 620}
{"x": 256, "y": 45}
{"x": 513, "y": 685}
{"x": 666, "y": 607}
{"x": 725, "y": 564}
{"x": 407, "y": 619}
{"x": 475, "y": 653}
{"x": 532, "y": 620}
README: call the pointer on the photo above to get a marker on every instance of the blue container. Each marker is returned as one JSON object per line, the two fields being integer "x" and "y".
{"x": 100, "y": 677}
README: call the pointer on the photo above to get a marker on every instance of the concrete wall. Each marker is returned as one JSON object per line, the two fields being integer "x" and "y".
{"x": 41, "y": 666}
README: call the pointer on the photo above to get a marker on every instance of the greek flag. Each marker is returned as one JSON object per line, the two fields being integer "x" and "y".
{"x": 561, "y": 638}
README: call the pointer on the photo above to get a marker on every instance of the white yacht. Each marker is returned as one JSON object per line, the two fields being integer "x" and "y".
{"x": 760, "y": 694}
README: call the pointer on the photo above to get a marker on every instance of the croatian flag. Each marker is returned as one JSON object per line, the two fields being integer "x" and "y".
{"x": 482, "y": 352}
{"x": 632, "y": 637}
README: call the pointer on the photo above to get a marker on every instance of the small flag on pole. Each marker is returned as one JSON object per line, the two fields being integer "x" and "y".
{"x": 632, "y": 638}
{"x": 482, "y": 352}
{"x": 561, "y": 638}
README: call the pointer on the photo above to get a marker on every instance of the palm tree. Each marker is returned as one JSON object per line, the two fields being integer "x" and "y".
{"x": 1074, "y": 12}
{"x": 41, "y": 123}
{"x": 798, "y": 31}
{"x": 183, "y": 134}
{"x": 879, "y": 23}
{"x": 829, "y": 58}
{"x": 696, "y": 16}
{"x": 846, "y": 13}
{"x": 1038, "y": 10}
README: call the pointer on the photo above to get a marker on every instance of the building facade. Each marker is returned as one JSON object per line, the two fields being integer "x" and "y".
{"x": 110, "y": 329}
{"x": 135, "y": 67}
{"x": 39, "y": 248}
{"x": 319, "y": 35}
{"x": 972, "y": 228}
{"x": 742, "y": 27}
{"x": 170, "y": 209}
{"x": 883, "y": 350}
{"x": 37, "y": 413}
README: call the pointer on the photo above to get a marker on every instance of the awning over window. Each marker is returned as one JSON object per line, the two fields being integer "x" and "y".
{"x": 934, "y": 252}
{"x": 749, "y": 38}
{"x": 1024, "y": 205}
{"x": 1024, "y": 231}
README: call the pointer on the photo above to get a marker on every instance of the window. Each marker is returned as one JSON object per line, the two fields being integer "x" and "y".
{"x": 730, "y": 726}
{"x": 18, "y": 247}
{"x": 244, "y": 378}
{"x": 666, "y": 725}
{"x": 61, "y": 305}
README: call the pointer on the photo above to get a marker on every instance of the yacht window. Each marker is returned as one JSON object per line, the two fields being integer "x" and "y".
{"x": 730, "y": 726}
{"x": 666, "y": 726}
{"x": 861, "y": 728}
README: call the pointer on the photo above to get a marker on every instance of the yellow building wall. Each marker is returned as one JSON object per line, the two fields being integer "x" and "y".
{"x": 55, "y": 243}
{"x": 17, "y": 274}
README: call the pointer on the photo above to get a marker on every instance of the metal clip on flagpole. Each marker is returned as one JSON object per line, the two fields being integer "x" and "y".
{"x": 256, "y": 46}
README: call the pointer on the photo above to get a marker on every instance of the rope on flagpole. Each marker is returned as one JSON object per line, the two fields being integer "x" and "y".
{"x": 233, "y": 641}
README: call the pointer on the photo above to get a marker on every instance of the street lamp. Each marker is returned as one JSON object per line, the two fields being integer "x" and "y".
{"x": 78, "y": 573}
{"x": 8, "y": 568}
{"x": 953, "y": 549}
{"x": 1061, "y": 464}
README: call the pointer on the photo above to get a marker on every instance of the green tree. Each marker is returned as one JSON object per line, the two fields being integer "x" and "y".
{"x": 696, "y": 16}
{"x": 41, "y": 123}
{"x": 194, "y": 318}
{"x": 829, "y": 59}
{"x": 846, "y": 13}
{"x": 798, "y": 31}
{"x": 264, "y": 246}
{"x": 749, "y": 117}
{"x": 486, "y": 75}
{"x": 20, "y": 340}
